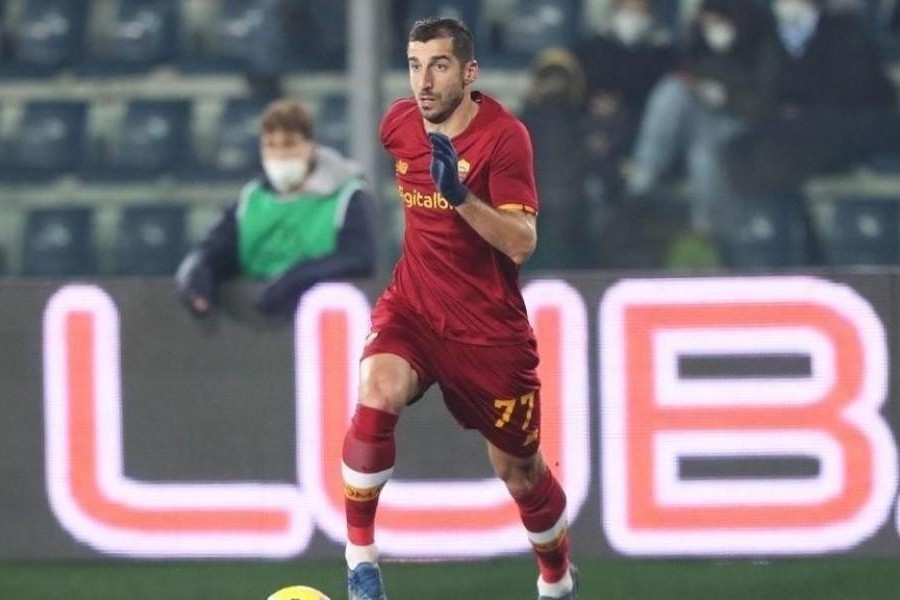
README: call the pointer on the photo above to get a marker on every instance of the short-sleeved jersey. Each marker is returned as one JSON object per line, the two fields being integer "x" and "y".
{"x": 447, "y": 273}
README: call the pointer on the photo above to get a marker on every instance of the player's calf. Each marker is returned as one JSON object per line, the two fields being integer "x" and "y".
{"x": 543, "y": 512}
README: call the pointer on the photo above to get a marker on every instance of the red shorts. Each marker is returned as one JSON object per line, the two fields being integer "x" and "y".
{"x": 494, "y": 389}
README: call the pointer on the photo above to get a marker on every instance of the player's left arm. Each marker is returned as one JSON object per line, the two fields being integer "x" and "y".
{"x": 511, "y": 231}
{"x": 511, "y": 228}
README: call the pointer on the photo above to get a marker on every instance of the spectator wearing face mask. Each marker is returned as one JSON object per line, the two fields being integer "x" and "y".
{"x": 621, "y": 64}
{"x": 824, "y": 59}
{"x": 307, "y": 219}
{"x": 624, "y": 61}
{"x": 829, "y": 101}
{"x": 696, "y": 111}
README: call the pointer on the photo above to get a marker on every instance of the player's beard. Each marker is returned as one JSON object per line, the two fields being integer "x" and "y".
{"x": 445, "y": 108}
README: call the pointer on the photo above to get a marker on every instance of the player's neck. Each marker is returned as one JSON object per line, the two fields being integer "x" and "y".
{"x": 457, "y": 122}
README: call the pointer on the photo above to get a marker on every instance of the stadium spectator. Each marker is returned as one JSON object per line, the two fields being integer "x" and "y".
{"x": 827, "y": 97}
{"x": 622, "y": 63}
{"x": 698, "y": 109}
{"x": 307, "y": 219}
{"x": 829, "y": 105}
{"x": 553, "y": 113}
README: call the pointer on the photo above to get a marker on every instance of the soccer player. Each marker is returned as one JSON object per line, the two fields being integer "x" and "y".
{"x": 453, "y": 313}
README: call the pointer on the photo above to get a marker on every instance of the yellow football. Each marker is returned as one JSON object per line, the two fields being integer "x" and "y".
{"x": 298, "y": 592}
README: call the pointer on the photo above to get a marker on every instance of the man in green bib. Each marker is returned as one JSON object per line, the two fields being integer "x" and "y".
{"x": 307, "y": 219}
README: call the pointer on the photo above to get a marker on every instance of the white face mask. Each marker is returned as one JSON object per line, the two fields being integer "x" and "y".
{"x": 285, "y": 174}
{"x": 797, "y": 13}
{"x": 719, "y": 37}
{"x": 631, "y": 26}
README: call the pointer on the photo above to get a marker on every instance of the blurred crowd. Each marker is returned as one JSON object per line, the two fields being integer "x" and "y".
{"x": 656, "y": 148}
{"x": 668, "y": 134}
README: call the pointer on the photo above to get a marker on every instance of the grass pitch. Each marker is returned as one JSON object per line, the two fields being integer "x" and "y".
{"x": 833, "y": 578}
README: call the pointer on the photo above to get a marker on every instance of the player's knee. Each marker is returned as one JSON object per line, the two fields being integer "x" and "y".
{"x": 387, "y": 383}
{"x": 519, "y": 475}
{"x": 383, "y": 394}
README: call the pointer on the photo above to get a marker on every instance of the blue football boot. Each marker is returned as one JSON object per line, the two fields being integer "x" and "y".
{"x": 364, "y": 582}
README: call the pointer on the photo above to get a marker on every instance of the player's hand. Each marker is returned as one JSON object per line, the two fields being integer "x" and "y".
{"x": 444, "y": 170}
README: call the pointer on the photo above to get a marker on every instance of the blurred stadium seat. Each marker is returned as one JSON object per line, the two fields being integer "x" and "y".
{"x": 59, "y": 242}
{"x": 883, "y": 164}
{"x": 151, "y": 239}
{"x": 239, "y": 30}
{"x": 49, "y": 140}
{"x": 331, "y": 126}
{"x": 236, "y": 144}
{"x": 48, "y": 35}
{"x": 270, "y": 36}
{"x": 154, "y": 139}
{"x": 866, "y": 231}
{"x": 143, "y": 33}
{"x": 231, "y": 38}
{"x": 532, "y": 26}
{"x": 768, "y": 232}
{"x": 466, "y": 10}
{"x": 321, "y": 30}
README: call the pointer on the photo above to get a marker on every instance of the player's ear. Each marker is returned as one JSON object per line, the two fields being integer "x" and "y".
{"x": 471, "y": 72}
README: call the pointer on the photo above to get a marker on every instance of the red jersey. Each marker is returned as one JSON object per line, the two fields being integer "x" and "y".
{"x": 464, "y": 287}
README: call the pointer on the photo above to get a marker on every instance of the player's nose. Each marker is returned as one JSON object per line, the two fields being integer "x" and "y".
{"x": 427, "y": 81}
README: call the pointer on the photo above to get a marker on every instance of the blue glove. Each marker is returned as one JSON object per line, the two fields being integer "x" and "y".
{"x": 444, "y": 169}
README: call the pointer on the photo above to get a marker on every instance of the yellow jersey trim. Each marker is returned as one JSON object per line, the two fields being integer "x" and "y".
{"x": 517, "y": 206}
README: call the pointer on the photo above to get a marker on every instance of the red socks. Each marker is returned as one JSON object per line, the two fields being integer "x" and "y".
{"x": 543, "y": 513}
{"x": 368, "y": 459}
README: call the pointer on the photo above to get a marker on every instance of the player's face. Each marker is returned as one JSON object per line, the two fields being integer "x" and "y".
{"x": 285, "y": 145}
{"x": 438, "y": 80}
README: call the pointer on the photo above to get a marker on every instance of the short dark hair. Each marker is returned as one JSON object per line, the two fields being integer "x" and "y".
{"x": 425, "y": 30}
{"x": 287, "y": 115}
